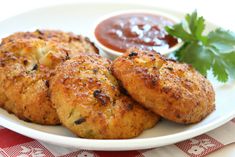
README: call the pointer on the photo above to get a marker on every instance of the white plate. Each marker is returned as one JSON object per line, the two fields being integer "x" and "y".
{"x": 79, "y": 18}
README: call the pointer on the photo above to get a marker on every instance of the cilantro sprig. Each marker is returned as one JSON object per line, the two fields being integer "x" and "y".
{"x": 215, "y": 51}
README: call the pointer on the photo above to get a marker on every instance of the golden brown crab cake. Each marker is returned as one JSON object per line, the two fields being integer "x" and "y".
{"x": 89, "y": 103}
{"x": 26, "y": 66}
{"x": 173, "y": 90}
{"x": 77, "y": 43}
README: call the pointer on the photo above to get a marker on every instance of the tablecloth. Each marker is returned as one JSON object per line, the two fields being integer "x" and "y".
{"x": 13, "y": 144}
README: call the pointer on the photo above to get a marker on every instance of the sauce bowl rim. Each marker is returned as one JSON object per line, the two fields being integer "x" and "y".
{"x": 115, "y": 53}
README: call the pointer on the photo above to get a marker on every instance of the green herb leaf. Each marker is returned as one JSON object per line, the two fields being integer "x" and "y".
{"x": 196, "y": 25}
{"x": 179, "y": 32}
{"x": 214, "y": 51}
{"x": 199, "y": 57}
{"x": 223, "y": 40}
{"x": 229, "y": 59}
{"x": 219, "y": 70}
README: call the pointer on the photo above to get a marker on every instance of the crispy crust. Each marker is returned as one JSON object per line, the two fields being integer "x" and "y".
{"x": 74, "y": 42}
{"x": 89, "y": 102}
{"x": 173, "y": 90}
{"x": 24, "y": 78}
{"x": 27, "y": 61}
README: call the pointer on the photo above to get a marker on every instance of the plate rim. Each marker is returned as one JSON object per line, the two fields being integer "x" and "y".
{"x": 112, "y": 145}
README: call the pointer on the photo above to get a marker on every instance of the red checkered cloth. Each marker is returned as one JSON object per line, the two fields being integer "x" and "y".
{"x": 15, "y": 145}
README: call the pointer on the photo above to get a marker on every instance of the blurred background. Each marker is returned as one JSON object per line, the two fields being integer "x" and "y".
{"x": 220, "y": 12}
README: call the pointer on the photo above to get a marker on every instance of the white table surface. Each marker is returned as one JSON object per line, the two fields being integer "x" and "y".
{"x": 220, "y": 12}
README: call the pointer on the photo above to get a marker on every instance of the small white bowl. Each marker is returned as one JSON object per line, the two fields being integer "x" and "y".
{"x": 112, "y": 54}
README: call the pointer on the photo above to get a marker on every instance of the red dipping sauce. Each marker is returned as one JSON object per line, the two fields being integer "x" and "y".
{"x": 141, "y": 30}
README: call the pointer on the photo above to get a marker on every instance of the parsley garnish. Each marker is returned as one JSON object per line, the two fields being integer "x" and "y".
{"x": 215, "y": 51}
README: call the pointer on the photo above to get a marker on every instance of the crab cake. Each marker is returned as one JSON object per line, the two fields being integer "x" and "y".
{"x": 26, "y": 65}
{"x": 76, "y": 43}
{"x": 88, "y": 101}
{"x": 27, "y": 61}
{"x": 173, "y": 90}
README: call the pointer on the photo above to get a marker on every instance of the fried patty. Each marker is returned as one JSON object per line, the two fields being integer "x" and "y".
{"x": 77, "y": 43}
{"x": 89, "y": 102}
{"x": 173, "y": 90}
{"x": 27, "y": 61}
